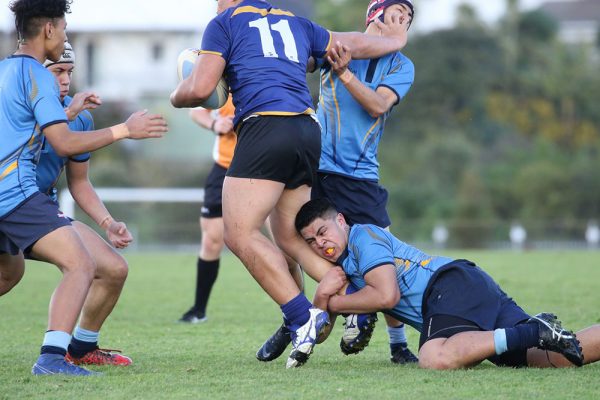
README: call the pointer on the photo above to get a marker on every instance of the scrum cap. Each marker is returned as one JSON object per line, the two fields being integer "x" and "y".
{"x": 68, "y": 56}
{"x": 377, "y": 7}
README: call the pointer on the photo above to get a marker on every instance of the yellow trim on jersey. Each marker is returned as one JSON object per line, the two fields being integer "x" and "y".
{"x": 329, "y": 42}
{"x": 337, "y": 105}
{"x": 11, "y": 167}
{"x": 371, "y": 130}
{"x": 262, "y": 11}
{"x": 216, "y": 53}
{"x": 34, "y": 86}
{"x": 308, "y": 111}
{"x": 32, "y": 140}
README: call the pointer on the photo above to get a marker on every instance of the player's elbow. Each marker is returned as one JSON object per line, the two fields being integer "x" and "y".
{"x": 62, "y": 149}
{"x": 389, "y": 299}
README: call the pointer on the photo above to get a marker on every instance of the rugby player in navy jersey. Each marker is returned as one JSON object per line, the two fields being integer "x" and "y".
{"x": 463, "y": 315}
{"x": 356, "y": 98}
{"x": 264, "y": 53}
{"x": 31, "y": 112}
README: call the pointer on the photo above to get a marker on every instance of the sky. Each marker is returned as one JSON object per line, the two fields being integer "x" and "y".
{"x": 192, "y": 14}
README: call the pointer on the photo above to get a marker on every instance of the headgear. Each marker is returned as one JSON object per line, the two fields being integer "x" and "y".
{"x": 377, "y": 7}
{"x": 68, "y": 56}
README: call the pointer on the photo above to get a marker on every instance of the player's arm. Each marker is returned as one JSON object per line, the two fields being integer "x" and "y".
{"x": 87, "y": 199}
{"x": 381, "y": 292}
{"x": 219, "y": 125}
{"x": 375, "y": 102}
{"x": 395, "y": 37}
{"x": 140, "y": 125}
{"x": 203, "y": 80}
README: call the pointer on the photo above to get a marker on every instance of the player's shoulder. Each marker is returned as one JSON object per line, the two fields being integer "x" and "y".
{"x": 366, "y": 232}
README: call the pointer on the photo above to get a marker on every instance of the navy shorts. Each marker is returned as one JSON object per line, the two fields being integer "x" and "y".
{"x": 461, "y": 297}
{"x": 284, "y": 149}
{"x": 361, "y": 202}
{"x": 30, "y": 221}
{"x": 213, "y": 193}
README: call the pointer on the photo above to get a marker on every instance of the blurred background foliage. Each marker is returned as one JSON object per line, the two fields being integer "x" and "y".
{"x": 502, "y": 124}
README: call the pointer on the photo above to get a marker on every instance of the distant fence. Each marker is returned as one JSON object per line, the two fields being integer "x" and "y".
{"x": 167, "y": 218}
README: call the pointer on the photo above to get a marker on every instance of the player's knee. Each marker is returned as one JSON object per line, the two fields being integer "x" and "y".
{"x": 119, "y": 271}
{"x": 438, "y": 361}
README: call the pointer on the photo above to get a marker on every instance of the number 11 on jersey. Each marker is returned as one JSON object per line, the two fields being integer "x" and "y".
{"x": 266, "y": 38}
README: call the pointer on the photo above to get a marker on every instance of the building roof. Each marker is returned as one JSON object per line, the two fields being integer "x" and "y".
{"x": 573, "y": 11}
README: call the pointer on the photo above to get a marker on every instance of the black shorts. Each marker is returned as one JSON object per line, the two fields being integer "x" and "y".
{"x": 30, "y": 221}
{"x": 213, "y": 191}
{"x": 284, "y": 149}
{"x": 461, "y": 297}
{"x": 361, "y": 202}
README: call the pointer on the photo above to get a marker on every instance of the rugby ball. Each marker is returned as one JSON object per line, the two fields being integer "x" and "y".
{"x": 185, "y": 65}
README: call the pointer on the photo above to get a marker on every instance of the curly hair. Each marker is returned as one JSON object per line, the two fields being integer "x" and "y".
{"x": 30, "y": 15}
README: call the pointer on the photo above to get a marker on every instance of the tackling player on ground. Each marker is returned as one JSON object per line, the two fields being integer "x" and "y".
{"x": 463, "y": 315}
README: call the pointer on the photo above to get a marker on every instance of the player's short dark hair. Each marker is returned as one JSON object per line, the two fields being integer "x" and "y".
{"x": 313, "y": 209}
{"x": 31, "y": 15}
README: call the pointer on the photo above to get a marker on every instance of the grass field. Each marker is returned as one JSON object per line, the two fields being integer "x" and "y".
{"x": 216, "y": 359}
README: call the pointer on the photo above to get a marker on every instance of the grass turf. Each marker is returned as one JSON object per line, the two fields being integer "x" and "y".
{"x": 216, "y": 360}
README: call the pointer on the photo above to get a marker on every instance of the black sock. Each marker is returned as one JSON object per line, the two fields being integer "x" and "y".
{"x": 522, "y": 336}
{"x": 205, "y": 279}
{"x": 53, "y": 350}
{"x": 79, "y": 348}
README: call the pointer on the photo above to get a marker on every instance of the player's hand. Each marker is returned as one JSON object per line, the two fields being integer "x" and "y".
{"x": 83, "y": 101}
{"x": 396, "y": 26}
{"x": 223, "y": 125}
{"x": 332, "y": 282}
{"x": 143, "y": 125}
{"x": 118, "y": 234}
{"x": 339, "y": 56}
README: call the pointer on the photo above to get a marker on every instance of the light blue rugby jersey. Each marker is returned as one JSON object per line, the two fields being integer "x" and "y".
{"x": 266, "y": 50}
{"x": 350, "y": 136}
{"x": 29, "y": 102}
{"x": 370, "y": 246}
{"x": 51, "y": 165}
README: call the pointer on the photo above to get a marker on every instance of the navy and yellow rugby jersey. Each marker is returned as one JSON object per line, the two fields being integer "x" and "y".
{"x": 266, "y": 50}
{"x": 51, "y": 165}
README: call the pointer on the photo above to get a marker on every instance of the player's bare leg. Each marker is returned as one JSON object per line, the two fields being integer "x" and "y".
{"x": 589, "y": 340}
{"x": 246, "y": 205}
{"x": 462, "y": 350}
{"x": 12, "y": 269}
{"x": 286, "y": 237}
{"x": 64, "y": 248}
{"x": 111, "y": 272}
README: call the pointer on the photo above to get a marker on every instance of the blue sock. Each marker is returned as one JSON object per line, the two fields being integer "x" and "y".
{"x": 397, "y": 337}
{"x": 55, "y": 342}
{"x": 521, "y": 337}
{"x": 296, "y": 311}
{"x": 85, "y": 336}
{"x": 500, "y": 341}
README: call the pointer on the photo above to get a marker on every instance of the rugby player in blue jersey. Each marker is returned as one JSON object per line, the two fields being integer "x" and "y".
{"x": 30, "y": 113}
{"x": 111, "y": 267}
{"x": 463, "y": 315}
{"x": 355, "y": 100}
{"x": 264, "y": 53}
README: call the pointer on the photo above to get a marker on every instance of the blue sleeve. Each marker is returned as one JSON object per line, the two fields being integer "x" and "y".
{"x": 85, "y": 123}
{"x": 319, "y": 37}
{"x": 216, "y": 38}
{"x": 43, "y": 94}
{"x": 374, "y": 249}
{"x": 400, "y": 77}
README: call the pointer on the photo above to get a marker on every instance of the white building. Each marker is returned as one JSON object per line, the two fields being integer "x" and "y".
{"x": 579, "y": 20}
{"x": 127, "y": 49}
